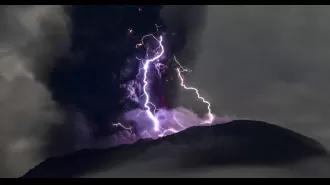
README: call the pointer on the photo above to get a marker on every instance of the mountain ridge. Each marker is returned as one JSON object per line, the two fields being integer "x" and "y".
{"x": 235, "y": 142}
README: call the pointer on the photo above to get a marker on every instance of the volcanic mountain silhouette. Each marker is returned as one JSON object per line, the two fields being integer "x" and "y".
{"x": 237, "y": 142}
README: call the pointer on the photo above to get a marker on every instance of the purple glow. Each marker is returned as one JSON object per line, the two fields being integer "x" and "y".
{"x": 170, "y": 122}
{"x": 163, "y": 122}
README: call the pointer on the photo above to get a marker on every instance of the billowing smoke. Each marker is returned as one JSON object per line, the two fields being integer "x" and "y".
{"x": 270, "y": 63}
{"x": 31, "y": 38}
{"x": 186, "y": 24}
{"x": 266, "y": 63}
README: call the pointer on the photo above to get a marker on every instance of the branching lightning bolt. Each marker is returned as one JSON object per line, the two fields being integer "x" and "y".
{"x": 145, "y": 81}
{"x": 210, "y": 115}
{"x": 149, "y": 108}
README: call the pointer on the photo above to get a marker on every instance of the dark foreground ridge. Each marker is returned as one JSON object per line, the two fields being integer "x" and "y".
{"x": 236, "y": 142}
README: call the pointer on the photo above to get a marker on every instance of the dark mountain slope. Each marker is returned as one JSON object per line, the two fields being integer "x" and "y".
{"x": 236, "y": 142}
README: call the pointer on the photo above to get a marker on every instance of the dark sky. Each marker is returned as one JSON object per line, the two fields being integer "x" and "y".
{"x": 100, "y": 47}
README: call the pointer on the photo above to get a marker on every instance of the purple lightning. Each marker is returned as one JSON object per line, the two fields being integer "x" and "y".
{"x": 173, "y": 124}
{"x": 145, "y": 81}
{"x": 210, "y": 115}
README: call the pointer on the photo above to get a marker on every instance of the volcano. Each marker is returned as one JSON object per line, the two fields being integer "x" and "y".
{"x": 236, "y": 143}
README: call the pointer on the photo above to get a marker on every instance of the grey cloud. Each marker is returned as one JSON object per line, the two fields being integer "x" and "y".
{"x": 187, "y": 21}
{"x": 268, "y": 63}
{"x": 31, "y": 37}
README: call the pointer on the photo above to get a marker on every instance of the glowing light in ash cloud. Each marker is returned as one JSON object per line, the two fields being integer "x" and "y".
{"x": 171, "y": 121}
{"x": 163, "y": 122}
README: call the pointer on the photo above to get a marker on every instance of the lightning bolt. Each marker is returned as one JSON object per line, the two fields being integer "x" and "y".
{"x": 182, "y": 68}
{"x": 149, "y": 108}
{"x": 122, "y": 126}
{"x": 158, "y": 26}
{"x": 145, "y": 81}
{"x": 177, "y": 122}
{"x": 210, "y": 115}
{"x": 146, "y": 132}
{"x": 170, "y": 131}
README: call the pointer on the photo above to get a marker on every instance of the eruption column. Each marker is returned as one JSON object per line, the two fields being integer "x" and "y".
{"x": 153, "y": 115}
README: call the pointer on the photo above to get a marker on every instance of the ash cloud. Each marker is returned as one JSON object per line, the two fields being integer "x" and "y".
{"x": 268, "y": 65}
{"x": 31, "y": 38}
{"x": 185, "y": 25}
{"x": 254, "y": 62}
{"x": 265, "y": 63}
{"x": 55, "y": 92}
